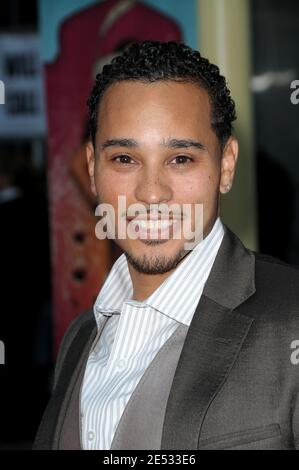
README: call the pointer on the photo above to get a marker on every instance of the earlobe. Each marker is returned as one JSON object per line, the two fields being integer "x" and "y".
{"x": 228, "y": 165}
{"x": 90, "y": 166}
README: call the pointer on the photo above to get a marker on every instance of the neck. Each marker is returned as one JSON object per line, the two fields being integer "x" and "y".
{"x": 145, "y": 284}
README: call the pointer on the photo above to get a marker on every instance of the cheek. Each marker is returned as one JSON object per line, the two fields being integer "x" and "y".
{"x": 212, "y": 180}
{"x": 110, "y": 185}
{"x": 198, "y": 188}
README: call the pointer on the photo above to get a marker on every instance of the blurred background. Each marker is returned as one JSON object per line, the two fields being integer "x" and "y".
{"x": 52, "y": 265}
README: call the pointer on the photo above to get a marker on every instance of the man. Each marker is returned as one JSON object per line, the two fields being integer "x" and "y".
{"x": 184, "y": 348}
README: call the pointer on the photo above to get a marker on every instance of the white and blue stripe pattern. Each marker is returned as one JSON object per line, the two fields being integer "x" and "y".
{"x": 133, "y": 335}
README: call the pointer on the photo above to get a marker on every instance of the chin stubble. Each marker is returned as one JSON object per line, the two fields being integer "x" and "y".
{"x": 155, "y": 264}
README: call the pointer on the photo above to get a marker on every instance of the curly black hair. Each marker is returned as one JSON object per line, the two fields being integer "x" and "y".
{"x": 153, "y": 61}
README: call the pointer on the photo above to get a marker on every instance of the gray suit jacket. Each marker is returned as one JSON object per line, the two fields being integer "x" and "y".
{"x": 232, "y": 383}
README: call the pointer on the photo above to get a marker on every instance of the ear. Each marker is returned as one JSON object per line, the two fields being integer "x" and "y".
{"x": 228, "y": 164}
{"x": 91, "y": 166}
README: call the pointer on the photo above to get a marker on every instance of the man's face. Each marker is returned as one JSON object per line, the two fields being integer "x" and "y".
{"x": 155, "y": 145}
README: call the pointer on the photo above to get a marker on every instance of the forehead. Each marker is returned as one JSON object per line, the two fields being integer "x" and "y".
{"x": 162, "y": 107}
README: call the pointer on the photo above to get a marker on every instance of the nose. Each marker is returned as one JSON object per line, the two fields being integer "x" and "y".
{"x": 152, "y": 187}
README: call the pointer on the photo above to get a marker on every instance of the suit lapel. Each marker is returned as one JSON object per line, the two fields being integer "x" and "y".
{"x": 212, "y": 344}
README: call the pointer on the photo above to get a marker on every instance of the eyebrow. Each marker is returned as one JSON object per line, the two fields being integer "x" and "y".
{"x": 119, "y": 143}
{"x": 183, "y": 143}
{"x": 170, "y": 143}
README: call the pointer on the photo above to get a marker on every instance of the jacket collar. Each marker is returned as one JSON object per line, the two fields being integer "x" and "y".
{"x": 232, "y": 278}
{"x": 212, "y": 344}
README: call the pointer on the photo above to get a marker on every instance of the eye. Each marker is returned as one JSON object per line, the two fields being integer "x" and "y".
{"x": 124, "y": 159}
{"x": 182, "y": 160}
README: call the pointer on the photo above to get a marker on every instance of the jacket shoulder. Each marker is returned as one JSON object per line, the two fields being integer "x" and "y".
{"x": 277, "y": 287}
{"x": 276, "y": 269}
{"x": 272, "y": 261}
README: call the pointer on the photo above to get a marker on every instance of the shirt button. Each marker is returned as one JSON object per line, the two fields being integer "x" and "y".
{"x": 90, "y": 435}
{"x": 121, "y": 363}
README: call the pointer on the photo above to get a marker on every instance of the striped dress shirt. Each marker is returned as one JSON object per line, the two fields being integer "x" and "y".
{"x": 133, "y": 335}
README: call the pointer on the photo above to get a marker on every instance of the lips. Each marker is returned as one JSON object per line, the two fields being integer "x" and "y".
{"x": 154, "y": 227}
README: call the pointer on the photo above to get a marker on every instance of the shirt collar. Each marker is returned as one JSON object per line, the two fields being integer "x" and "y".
{"x": 178, "y": 296}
